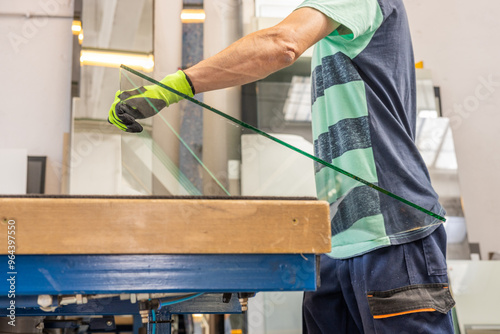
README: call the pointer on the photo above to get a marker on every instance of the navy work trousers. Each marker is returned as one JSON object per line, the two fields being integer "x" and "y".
{"x": 397, "y": 289}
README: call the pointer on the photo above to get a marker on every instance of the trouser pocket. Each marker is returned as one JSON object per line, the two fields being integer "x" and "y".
{"x": 434, "y": 248}
{"x": 410, "y": 299}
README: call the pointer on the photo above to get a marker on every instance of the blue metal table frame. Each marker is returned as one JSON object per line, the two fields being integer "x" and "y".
{"x": 117, "y": 274}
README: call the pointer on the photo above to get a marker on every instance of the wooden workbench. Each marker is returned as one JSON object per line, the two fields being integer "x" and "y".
{"x": 81, "y": 246}
{"x": 156, "y": 225}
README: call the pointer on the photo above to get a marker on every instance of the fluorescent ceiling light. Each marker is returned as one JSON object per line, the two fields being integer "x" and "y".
{"x": 106, "y": 58}
{"x": 193, "y": 16}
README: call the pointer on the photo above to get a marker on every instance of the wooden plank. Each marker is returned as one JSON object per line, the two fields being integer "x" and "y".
{"x": 165, "y": 226}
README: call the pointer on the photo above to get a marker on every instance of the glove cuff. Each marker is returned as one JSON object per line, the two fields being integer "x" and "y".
{"x": 190, "y": 83}
{"x": 180, "y": 83}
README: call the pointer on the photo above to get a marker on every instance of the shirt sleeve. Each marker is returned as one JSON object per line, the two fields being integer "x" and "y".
{"x": 358, "y": 16}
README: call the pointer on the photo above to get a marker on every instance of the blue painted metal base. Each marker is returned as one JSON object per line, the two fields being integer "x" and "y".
{"x": 117, "y": 274}
{"x": 103, "y": 274}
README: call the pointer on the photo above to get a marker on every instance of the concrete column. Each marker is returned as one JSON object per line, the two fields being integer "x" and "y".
{"x": 168, "y": 58}
{"x": 221, "y": 140}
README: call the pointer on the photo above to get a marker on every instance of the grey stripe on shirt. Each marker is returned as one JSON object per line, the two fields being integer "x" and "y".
{"x": 334, "y": 70}
{"x": 345, "y": 135}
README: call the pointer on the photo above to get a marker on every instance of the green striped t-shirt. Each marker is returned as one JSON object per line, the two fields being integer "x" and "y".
{"x": 363, "y": 118}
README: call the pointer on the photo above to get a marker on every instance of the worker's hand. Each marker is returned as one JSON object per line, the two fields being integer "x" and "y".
{"x": 146, "y": 101}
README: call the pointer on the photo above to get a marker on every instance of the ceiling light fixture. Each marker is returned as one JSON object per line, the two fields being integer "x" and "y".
{"x": 107, "y": 58}
{"x": 193, "y": 16}
{"x": 76, "y": 27}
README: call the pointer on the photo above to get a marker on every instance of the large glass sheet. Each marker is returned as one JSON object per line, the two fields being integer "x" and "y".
{"x": 118, "y": 25}
{"x": 271, "y": 165}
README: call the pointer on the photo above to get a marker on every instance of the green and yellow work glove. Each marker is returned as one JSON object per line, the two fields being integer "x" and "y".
{"x": 146, "y": 101}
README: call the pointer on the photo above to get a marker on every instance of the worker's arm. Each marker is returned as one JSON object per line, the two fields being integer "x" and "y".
{"x": 251, "y": 58}
{"x": 261, "y": 53}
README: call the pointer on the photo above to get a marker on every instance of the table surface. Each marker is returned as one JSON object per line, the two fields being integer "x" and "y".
{"x": 68, "y": 225}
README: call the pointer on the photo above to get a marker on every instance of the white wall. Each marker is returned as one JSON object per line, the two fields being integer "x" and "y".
{"x": 475, "y": 289}
{"x": 96, "y": 163}
{"x": 13, "y": 170}
{"x": 168, "y": 59}
{"x": 456, "y": 39}
{"x": 220, "y": 141}
{"x": 35, "y": 80}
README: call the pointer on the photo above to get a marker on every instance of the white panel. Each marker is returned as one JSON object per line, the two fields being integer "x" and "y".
{"x": 256, "y": 314}
{"x": 270, "y": 169}
{"x": 475, "y": 288}
{"x": 275, "y": 313}
{"x": 425, "y": 90}
{"x": 36, "y": 57}
{"x": 456, "y": 230}
{"x": 13, "y": 171}
{"x": 95, "y": 164}
{"x": 298, "y": 102}
{"x": 435, "y": 143}
{"x": 38, "y": 7}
